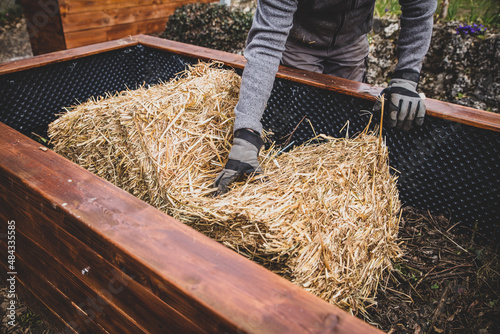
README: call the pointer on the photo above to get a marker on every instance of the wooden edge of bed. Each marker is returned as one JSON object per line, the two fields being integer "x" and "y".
{"x": 449, "y": 111}
{"x": 104, "y": 260}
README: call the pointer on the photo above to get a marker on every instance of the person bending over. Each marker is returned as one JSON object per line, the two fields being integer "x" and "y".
{"x": 325, "y": 36}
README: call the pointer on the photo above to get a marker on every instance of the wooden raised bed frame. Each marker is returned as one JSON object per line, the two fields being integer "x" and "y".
{"x": 100, "y": 260}
{"x": 55, "y": 25}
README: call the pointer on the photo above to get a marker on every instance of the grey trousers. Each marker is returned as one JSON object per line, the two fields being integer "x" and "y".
{"x": 348, "y": 61}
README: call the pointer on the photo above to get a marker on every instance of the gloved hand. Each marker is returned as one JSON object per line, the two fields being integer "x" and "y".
{"x": 403, "y": 104}
{"x": 242, "y": 159}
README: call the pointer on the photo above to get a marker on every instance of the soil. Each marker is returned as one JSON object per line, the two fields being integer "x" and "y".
{"x": 448, "y": 281}
{"x": 26, "y": 320}
{"x": 449, "y": 278}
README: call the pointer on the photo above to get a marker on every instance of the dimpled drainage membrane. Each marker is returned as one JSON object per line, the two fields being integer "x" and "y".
{"x": 445, "y": 167}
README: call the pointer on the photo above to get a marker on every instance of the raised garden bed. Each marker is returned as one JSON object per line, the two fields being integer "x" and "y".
{"x": 65, "y": 24}
{"x": 69, "y": 220}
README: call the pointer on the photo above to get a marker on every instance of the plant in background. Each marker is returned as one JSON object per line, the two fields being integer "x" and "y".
{"x": 10, "y": 14}
{"x": 389, "y": 8}
{"x": 210, "y": 25}
{"x": 471, "y": 30}
{"x": 486, "y": 11}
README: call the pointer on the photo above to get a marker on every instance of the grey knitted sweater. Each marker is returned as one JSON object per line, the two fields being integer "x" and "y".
{"x": 320, "y": 24}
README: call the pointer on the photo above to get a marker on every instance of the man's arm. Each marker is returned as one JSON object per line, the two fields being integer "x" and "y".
{"x": 405, "y": 107}
{"x": 265, "y": 45}
{"x": 266, "y": 42}
{"x": 416, "y": 32}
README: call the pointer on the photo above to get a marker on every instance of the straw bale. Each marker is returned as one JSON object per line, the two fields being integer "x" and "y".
{"x": 324, "y": 215}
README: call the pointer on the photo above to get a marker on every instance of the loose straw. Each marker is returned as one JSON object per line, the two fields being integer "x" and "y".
{"x": 325, "y": 216}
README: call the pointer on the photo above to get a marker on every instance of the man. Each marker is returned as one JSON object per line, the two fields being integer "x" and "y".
{"x": 327, "y": 36}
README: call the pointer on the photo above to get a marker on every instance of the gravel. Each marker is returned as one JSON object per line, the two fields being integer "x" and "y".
{"x": 14, "y": 41}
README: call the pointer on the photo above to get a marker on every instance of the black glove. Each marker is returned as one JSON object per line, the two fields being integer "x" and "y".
{"x": 405, "y": 106}
{"x": 242, "y": 159}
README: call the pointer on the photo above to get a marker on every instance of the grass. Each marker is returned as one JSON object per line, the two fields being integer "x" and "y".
{"x": 30, "y": 320}
{"x": 387, "y": 8}
{"x": 486, "y": 12}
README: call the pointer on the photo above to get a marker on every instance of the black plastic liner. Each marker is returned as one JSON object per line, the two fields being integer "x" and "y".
{"x": 444, "y": 167}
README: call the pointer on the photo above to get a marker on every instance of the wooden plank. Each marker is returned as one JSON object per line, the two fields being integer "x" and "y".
{"x": 49, "y": 21}
{"x": 41, "y": 220}
{"x": 95, "y": 303}
{"x": 105, "y": 285}
{"x": 44, "y": 26}
{"x": 227, "y": 290}
{"x": 453, "y": 112}
{"x": 462, "y": 114}
{"x": 52, "y": 297}
{"x": 116, "y": 17}
{"x": 88, "y": 37}
{"x": 190, "y": 50}
{"x": 65, "y": 55}
{"x": 84, "y": 6}
{"x": 47, "y": 42}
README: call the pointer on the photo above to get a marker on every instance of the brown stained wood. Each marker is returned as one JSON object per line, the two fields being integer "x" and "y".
{"x": 41, "y": 220}
{"x": 92, "y": 36}
{"x": 100, "y": 316}
{"x": 51, "y": 318}
{"x": 47, "y": 42}
{"x": 111, "y": 287}
{"x": 65, "y": 55}
{"x": 52, "y": 297}
{"x": 93, "y": 302}
{"x": 190, "y": 50}
{"x": 453, "y": 112}
{"x": 58, "y": 25}
{"x": 44, "y": 26}
{"x": 180, "y": 262}
{"x": 83, "y": 6}
{"x": 470, "y": 116}
{"x": 117, "y": 17}
{"x": 462, "y": 114}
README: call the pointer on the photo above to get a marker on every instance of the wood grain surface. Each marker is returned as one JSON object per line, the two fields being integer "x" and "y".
{"x": 122, "y": 16}
{"x": 65, "y": 55}
{"x": 44, "y": 26}
{"x": 112, "y": 32}
{"x": 64, "y": 24}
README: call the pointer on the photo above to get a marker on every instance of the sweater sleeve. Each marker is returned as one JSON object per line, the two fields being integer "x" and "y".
{"x": 265, "y": 45}
{"x": 416, "y": 33}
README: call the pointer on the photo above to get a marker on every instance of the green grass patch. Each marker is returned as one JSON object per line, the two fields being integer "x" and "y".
{"x": 486, "y": 12}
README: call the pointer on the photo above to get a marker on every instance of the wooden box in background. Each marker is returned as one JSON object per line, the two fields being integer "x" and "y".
{"x": 64, "y": 24}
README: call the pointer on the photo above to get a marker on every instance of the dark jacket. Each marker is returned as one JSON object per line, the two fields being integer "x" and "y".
{"x": 324, "y": 24}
